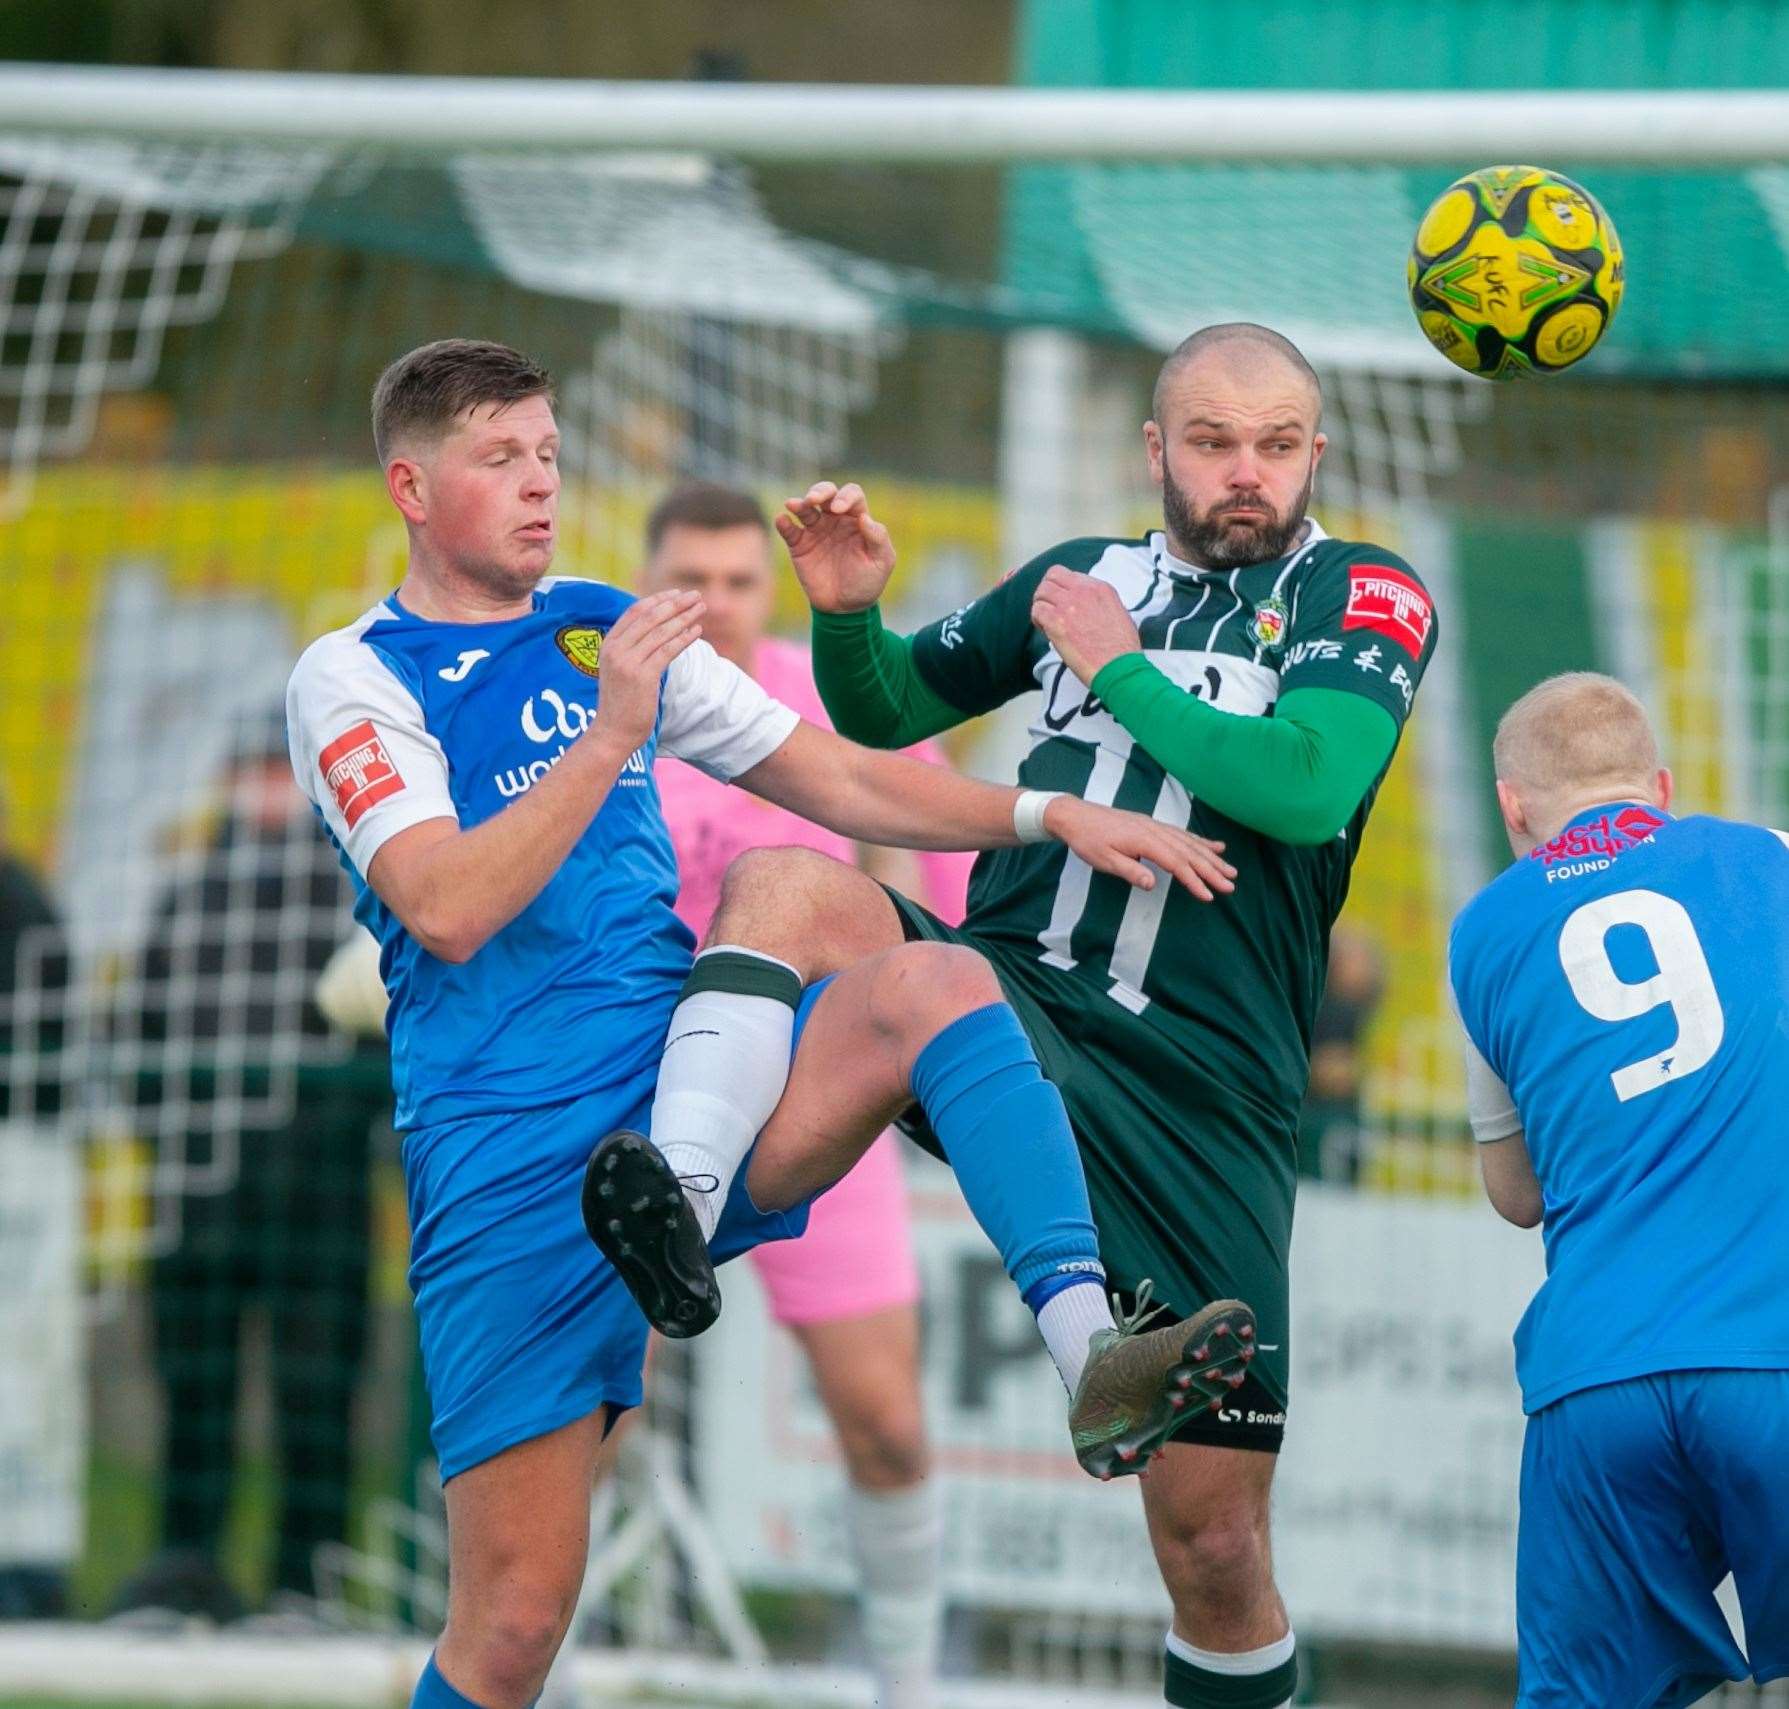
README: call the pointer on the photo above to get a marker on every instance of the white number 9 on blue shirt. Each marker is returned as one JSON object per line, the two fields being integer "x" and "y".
{"x": 1682, "y": 980}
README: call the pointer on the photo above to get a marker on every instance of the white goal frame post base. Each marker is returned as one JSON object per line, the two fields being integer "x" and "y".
{"x": 380, "y": 1673}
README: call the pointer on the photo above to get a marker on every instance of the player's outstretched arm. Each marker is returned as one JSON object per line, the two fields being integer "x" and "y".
{"x": 843, "y": 558}
{"x": 454, "y": 890}
{"x": 888, "y": 798}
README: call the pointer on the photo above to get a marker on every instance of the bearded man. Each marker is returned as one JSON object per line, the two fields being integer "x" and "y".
{"x": 1237, "y": 673}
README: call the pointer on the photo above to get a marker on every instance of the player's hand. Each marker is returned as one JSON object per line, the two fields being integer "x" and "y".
{"x": 1084, "y": 620}
{"x": 636, "y": 653}
{"x": 842, "y": 555}
{"x": 1137, "y": 849}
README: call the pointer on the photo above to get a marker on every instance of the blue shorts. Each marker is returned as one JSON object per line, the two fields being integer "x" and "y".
{"x": 1638, "y": 1498}
{"x": 524, "y": 1325}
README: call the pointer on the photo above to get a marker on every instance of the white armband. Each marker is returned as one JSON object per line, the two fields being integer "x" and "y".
{"x": 1028, "y": 814}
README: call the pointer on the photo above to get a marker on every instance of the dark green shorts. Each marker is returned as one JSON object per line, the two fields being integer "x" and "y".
{"x": 1191, "y": 1183}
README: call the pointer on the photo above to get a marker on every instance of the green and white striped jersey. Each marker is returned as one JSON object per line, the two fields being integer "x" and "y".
{"x": 1235, "y": 982}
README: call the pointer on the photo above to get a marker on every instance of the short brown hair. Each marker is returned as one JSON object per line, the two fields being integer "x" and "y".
{"x": 421, "y": 395}
{"x": 702, "y": 504}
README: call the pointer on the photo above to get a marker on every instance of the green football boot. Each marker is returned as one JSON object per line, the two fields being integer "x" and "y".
{"x": 1139, "y": 1383}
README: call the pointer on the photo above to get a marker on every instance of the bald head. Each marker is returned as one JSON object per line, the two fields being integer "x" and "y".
{"x": 1241, "y": 349}
{"x": 1571, "y": 742}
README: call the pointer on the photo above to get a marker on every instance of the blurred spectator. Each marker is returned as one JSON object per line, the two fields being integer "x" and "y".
{"x": 263, "y": 1120}
{"x": 33, "y": 981}
{"x": 1329, "y": 1126}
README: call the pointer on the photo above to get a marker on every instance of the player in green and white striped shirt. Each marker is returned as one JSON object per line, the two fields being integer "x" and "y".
{"x": 1238, "y": 673}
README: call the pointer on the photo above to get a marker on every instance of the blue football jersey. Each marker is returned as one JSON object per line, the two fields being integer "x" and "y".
{"x": 1629, "y": 985}
{"x": 396, "y": 720}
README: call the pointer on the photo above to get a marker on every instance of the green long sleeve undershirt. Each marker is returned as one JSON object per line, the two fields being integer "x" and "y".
{"x": 871, "y": 687}
{"x": 1296, "y": 777}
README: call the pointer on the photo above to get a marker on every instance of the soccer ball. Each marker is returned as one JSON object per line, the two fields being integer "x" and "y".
{"x": 1515, "y": 270}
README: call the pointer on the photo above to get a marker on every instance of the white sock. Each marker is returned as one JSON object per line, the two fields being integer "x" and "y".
{"x": 1067, "y": 1321}
{"x": 1236, "y": 1663}
{"x": 725, "y": 1065}
{"x": 895, "y": 1535}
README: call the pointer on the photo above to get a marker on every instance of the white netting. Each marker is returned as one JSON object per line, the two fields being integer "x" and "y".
{"x": 662, "y": 232}
{"x": 106, "y": 244}
{"x": 672, "y": 394}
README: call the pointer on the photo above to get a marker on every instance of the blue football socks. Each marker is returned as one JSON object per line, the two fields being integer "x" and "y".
{"x": 433, "y": 1692}
{"x": 1004, "y": 1130}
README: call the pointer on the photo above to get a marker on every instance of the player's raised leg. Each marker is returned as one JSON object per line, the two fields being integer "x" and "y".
{"x": 928, "y": 1023}
{"x": 786, "y": 918}
{"x": 923, "y": 1022}
{"x": 916, "y": 1021}
{"x": 519, "y": 1531}
{"x": 1230, "y": 1646}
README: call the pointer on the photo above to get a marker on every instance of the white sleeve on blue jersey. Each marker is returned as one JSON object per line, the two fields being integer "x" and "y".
{"x": 359, "y": 747}
{"x": 717, "y": 718}
{"x": 1489, "y": 1107}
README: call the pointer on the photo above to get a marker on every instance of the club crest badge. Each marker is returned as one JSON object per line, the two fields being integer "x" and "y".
{"x": 583, "y": 646}
{"x": 1271, "y": 621}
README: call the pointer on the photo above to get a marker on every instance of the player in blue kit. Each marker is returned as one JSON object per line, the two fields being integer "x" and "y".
{"x": 480, "y": 746}
{"x": 1625, "y": 994}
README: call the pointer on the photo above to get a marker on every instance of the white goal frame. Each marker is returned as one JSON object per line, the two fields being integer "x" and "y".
{"x": 795, "y": 121}
{"x": 1047, "y": 375}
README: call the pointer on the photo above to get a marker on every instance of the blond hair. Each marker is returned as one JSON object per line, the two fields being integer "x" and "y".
{"x": 1578, "y": 734}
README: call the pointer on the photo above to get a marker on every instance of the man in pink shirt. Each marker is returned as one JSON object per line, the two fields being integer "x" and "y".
{"x": 848, "y": 1289}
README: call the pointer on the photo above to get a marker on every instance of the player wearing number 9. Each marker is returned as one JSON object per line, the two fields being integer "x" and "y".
{"x": 1623, "y": 989}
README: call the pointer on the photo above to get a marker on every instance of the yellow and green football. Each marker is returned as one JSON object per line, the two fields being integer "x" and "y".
{"x": 1515, "y": 271}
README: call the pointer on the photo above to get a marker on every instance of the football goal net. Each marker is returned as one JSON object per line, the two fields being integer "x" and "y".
{"x": 960, "y": 299}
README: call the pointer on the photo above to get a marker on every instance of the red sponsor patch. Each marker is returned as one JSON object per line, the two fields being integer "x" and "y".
{"x": 1390, "y": 603}
{"x": 358, "y": 771}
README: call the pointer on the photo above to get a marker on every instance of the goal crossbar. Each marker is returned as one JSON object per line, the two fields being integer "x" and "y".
{"x": 809, "y": 122}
